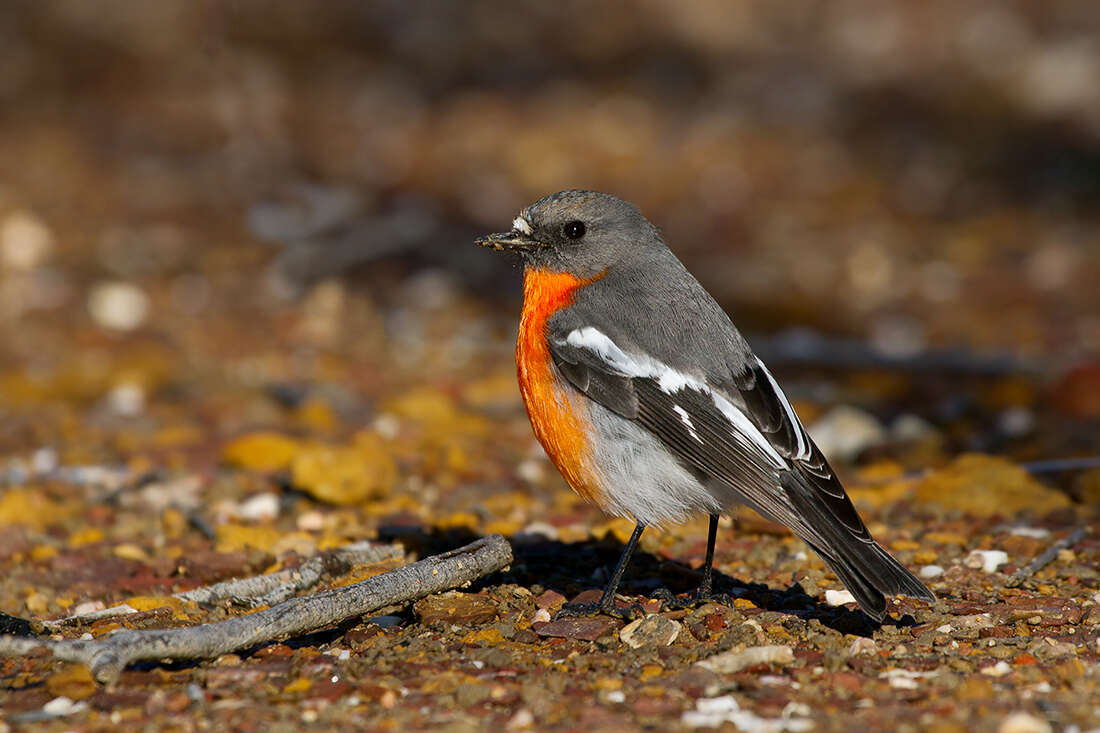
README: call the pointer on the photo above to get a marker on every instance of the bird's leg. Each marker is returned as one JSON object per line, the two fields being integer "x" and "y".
{"x": 606, "y": 604}
{"x": 712, "y": 536}
{"x": 704, "y": 592}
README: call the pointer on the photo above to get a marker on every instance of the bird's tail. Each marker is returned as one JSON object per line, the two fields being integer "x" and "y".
{"x": 872, "y": 576}
{"x": 865, "y": 568}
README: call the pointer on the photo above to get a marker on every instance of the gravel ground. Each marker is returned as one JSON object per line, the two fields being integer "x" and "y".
{"x": 242, "y": 324}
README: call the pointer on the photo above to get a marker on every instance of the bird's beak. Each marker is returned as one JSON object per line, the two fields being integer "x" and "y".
{"x": 514, "y": 240}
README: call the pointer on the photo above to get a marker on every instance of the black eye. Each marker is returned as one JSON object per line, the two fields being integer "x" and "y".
{"x": 574, "y": 229}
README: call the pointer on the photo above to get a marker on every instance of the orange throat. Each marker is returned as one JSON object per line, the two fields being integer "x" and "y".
{"x": 556, "y": 411}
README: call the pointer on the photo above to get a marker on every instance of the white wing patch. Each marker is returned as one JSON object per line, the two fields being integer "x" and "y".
{"x": 522, "y": 225}
{"x": 685, "y": 418}
{"x": 803, "y": 443}
{"x": 670, "y": 381}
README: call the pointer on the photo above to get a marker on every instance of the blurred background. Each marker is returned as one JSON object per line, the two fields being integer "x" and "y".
{"x": 897, "y": 201}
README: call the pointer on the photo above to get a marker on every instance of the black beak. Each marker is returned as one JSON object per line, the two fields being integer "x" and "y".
{"x": 514, "y": 240}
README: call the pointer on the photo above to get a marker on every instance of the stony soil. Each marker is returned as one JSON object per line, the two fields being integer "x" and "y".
{"x": 242, "y": 323}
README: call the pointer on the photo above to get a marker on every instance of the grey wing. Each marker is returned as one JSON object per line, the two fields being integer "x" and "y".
{"x": 747, "y": 437}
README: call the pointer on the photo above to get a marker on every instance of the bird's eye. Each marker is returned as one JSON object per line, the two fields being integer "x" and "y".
{"x": 574, "y": 229}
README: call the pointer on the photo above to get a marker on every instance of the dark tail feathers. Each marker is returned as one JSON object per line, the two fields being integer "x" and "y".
{"x": 865, "y": 568}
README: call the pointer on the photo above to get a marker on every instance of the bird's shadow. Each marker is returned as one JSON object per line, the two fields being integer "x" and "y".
{"x": 570, "y": 568}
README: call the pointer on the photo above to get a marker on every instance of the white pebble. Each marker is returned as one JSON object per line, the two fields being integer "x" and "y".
{"x": 615, "y": 696}
{"x": 734, "y": 661}
{"x": 311, "y": 521}
{"x": 931, "y": 571}
{"x": 1000, "y": 669}
{"x": 724, "y": 704}
{"x": 987, "y": 560}
{"x": 862, "y": 645}
{"x": 387, "y": 425}
{"x": 653, "y": 630}
{"x": 259, "y": 507}
{"x": 82, "y": 609}
{"x": 522, "y": 720}
{"x": 905, "y": 679}
{"x": 25, "y": 241}
{"x": 1016, "y": 421}
{"x": 839, "y": 597}
{"x": 120, "y": 306}
{"x": 62, "y": 706}
{"x": 542, "y": 529}
{"x": 714, "y": 712}
{"x": 1023, "y": 723}
{"x": 1037, "y": 533}
{"x": 541, "y": 615}
{"x": 844, "y": 432}
{"x": 45, "y": 461}
{"x": 126, "y": 399}
{"x": 530, "y": 471}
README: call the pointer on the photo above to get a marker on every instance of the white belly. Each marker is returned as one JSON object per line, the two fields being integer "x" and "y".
{"x": 639, "y": 477}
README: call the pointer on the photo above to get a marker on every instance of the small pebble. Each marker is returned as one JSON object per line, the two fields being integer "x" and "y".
{"x": 540, "y": 529}
{"x": 909, "y": 428}
{"x": 653, "y": 630}
{"x": 522, "y": 720}
{"x": 974, "y": 621}
{"x": 25, "y": 241}
{"x": 1034, "y": 532}
{"x": 119, "y": 306}
{"x": 387, "y": 425}
{"x": 531, "y": 471}
{"x": 87, "y": 607}
{"x": 862, "y": 645}
{"x": 734, "y": 661}
{"x": 311, "y": 521}
{"x": 126, "y": 399}
{"x": 931, "y": 571}
{"x": 259, "y": 507}
{"x": 62, "y": 706}
{"x": 1023, "y": 723}
{"x": 987, "y": 560}
{"x": 844, "y": 432}
{"x": 839, "y": 597}
{"x": 1000, "y": 669}
{"x": 45, "y": 461}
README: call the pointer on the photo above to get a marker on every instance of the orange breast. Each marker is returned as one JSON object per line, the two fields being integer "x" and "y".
{"x": 556, "y": 411}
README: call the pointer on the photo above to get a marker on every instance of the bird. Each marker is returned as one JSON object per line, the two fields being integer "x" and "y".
{"x": 653, "y": 406}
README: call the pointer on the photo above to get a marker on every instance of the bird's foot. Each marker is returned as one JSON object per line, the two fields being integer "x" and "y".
{"x": 581, "y": 610}
{"x": 698, "y": 598}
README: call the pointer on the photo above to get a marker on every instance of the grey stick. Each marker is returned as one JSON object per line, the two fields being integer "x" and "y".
{"x": 108, "y": 656}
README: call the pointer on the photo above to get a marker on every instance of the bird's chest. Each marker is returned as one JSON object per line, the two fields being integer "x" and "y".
{"x": 557, "y": 411}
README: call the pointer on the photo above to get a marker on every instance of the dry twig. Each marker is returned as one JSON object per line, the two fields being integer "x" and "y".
{"x": 1047, "y": 557}
{"x": 260, "y": 590}
{"x": 108, "y": 656}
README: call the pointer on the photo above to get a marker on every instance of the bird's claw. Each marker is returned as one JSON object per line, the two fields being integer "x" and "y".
{"x": 701, "y": 596}
{"x": 581, "y": 610}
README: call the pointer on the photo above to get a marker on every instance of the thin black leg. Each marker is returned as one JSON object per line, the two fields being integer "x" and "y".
{"x": 705, "y": 591}
{"x": 606, "y": 604}
{"x": 712, "y": 536}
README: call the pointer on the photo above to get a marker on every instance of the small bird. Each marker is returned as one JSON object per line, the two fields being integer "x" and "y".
{"x": 651, "y": 403}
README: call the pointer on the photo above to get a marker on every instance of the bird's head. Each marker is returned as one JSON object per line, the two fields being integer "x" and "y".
{"x": 583, "y": 233}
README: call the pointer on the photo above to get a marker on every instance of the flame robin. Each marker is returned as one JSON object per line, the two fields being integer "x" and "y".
{"x": 651, "y": 403}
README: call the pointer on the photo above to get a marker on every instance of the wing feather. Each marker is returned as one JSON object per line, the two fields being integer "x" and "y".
{"x": 745, "y": 435}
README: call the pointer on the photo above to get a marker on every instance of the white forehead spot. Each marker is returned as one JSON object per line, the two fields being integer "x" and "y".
{"x": 521, "y": 225}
